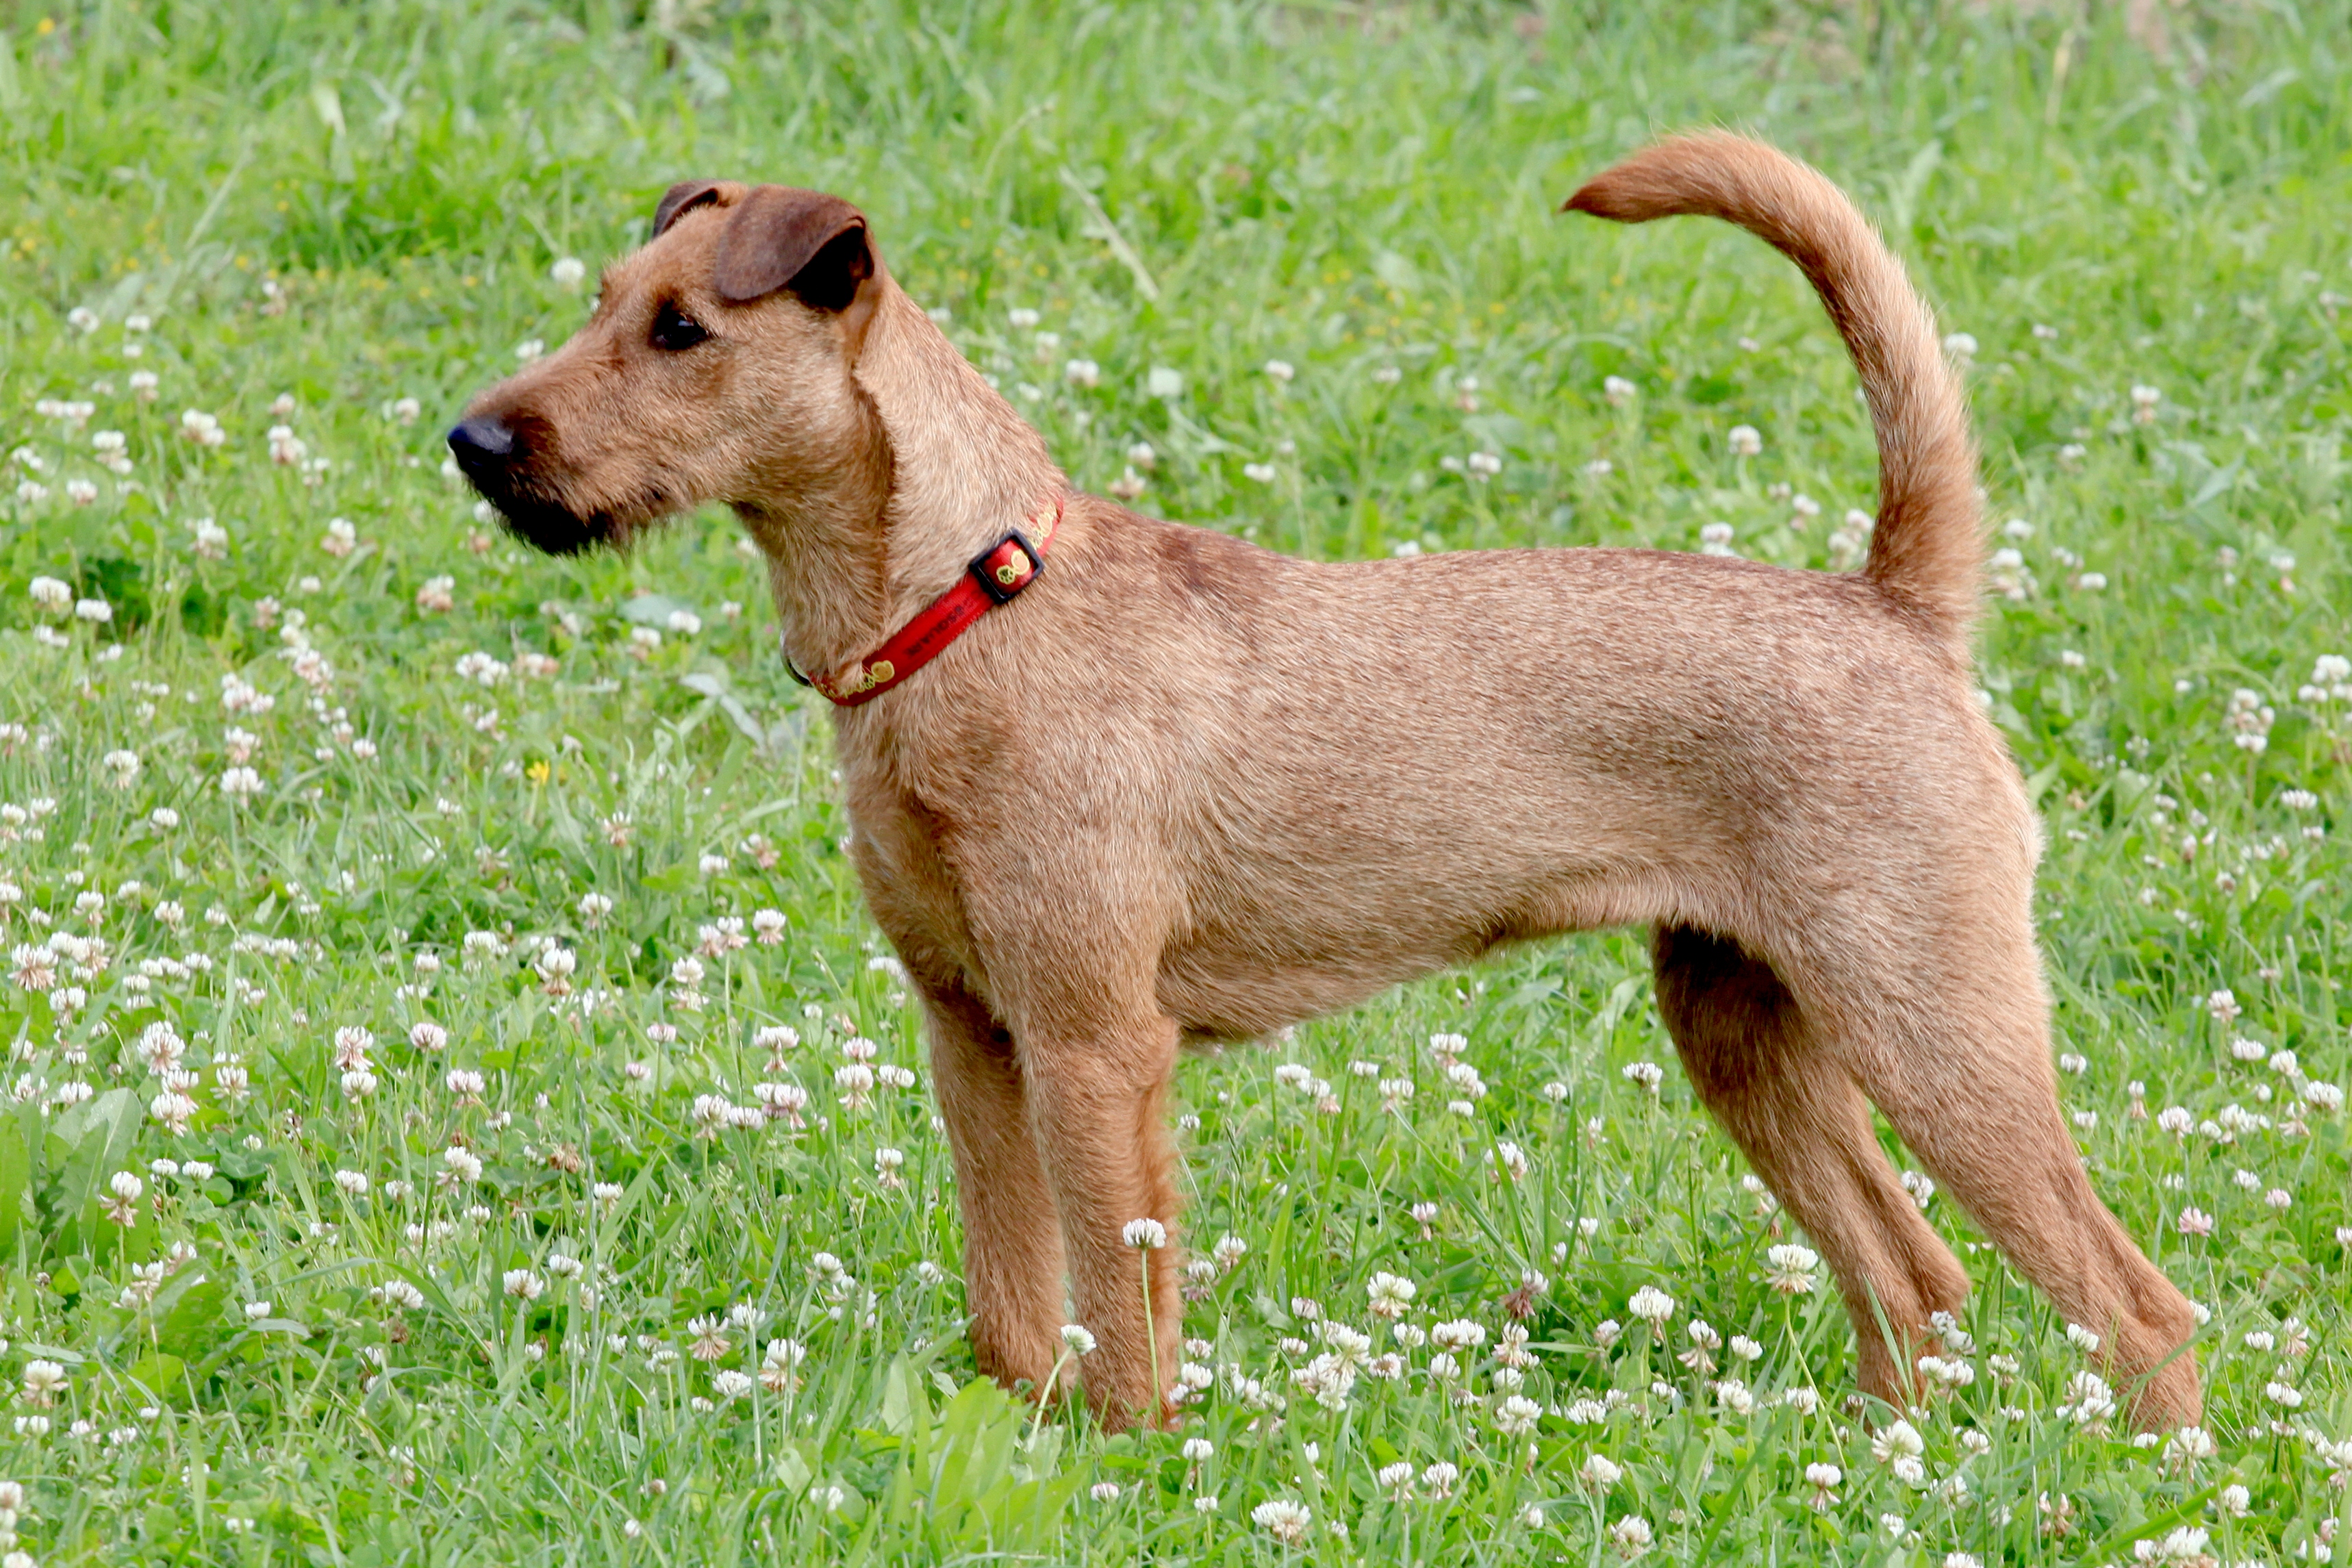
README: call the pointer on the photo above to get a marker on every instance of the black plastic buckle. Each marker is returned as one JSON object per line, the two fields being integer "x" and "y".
{"x": 790, "y": 667}
{"x": 986, "y": 578}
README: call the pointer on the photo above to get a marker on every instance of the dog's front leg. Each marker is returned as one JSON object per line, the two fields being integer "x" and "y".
{"x": 1098, "y": 1109}
{"x": 1012, "y": 1239}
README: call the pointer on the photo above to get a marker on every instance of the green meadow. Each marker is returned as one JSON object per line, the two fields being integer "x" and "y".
{"x": 458, "y": 1111}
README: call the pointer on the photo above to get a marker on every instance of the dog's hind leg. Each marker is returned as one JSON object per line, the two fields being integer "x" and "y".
{"x": 1802, "y": 1120}
{"x": 1967, "y": 1082}
{"x": 1012, "y": 1240}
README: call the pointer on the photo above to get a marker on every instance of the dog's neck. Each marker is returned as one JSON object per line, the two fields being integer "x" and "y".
{"x": 946, "y": 469}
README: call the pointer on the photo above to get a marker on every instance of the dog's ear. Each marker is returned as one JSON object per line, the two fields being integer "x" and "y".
{"x": 810, "y": 243}
{"x": 678, "y": 198}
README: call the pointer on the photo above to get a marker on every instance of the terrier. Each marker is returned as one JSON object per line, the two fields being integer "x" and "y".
{"x": 1119, "y": 787}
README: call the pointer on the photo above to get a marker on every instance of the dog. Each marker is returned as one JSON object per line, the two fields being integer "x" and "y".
{"x": 1119, "y": 787}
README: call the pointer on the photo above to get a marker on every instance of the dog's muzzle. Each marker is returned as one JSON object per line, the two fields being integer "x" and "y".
{"x": 492, "y": 455}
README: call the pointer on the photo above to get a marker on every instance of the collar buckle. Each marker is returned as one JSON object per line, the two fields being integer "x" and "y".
{"x": 1006, "y": 567}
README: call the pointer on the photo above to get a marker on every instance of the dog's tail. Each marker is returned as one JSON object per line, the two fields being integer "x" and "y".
{"x": 1927, "y": 549}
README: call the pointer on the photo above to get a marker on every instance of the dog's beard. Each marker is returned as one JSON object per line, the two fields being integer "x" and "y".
{"x": 553, "y": 525}
{"x": 549, "y": 526}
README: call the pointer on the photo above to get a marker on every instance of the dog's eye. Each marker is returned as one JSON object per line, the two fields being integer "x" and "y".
{"x": 674, "y": 330}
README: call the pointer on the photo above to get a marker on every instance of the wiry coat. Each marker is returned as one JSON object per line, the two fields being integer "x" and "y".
{"x": 1184, "y": 789}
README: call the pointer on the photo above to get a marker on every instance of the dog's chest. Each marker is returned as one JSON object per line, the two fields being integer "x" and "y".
{"x": 914, "y": 892}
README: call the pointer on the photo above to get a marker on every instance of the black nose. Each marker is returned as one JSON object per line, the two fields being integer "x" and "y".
{"x": 481, "y": 440}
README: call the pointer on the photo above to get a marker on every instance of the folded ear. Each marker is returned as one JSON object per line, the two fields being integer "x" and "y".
{"x": 678, "y": 198}
{"x": 810, "y": 243}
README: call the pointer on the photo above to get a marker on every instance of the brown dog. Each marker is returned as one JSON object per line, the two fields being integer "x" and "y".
{"x": 1186, "y": 790}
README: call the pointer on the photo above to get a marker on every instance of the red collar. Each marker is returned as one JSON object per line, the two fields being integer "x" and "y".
{"x": 995, "y": 577}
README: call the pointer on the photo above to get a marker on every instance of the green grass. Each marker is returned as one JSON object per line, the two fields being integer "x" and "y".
{"x": 355, "y": 204}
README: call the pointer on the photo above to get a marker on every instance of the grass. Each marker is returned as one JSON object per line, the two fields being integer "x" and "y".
{"x": 354, "y": 205}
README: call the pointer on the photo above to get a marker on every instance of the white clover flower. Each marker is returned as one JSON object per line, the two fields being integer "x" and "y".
{"x": 1600, "y": 1473}
{"x": 1161, "y": 381}
{"x": 2089, "y": 1399}
{"x": 1790, "y": 1268}
{"x": 2190, "y": 1444}
{"x": 555, "y": 966}
{"x": 568, "y": 271}
{"x": 1284, "y": 1519}
{"x": 1745, "y": 441}
{"x": 1146, "y": 1235}
{"x": 1079, "y": 1338}
{"x": 481, "y": 668}
{"x": 1392, "y": 1295}
{"x": 1898, "y": 1439}
{"x": 1631, "y": 1537}
{"x": 1651, "y": 1305}
{"x": 1460, "y": 1334}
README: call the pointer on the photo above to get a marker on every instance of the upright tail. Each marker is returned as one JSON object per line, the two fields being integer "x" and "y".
{"x": 1927, "y": 549}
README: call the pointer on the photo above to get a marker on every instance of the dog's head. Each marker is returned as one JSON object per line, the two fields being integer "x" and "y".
{"x": 717, "y": 366}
